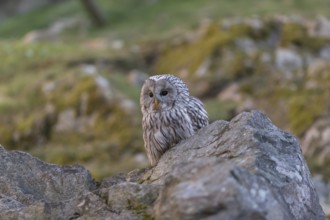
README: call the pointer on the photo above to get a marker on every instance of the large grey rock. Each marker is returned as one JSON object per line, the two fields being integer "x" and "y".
{"x": 32, "y": 189}
{"x": 243, "y": 169}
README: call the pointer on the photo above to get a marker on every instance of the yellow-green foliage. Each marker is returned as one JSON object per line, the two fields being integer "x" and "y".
{"x": 303, "y": 110}
{"x": 69, "y": 94}
{"x": 306, "y": 105}
{"x": 219, "y": 109}
{"x": 25, "y": 73}
{"x": 140, "y": 209}
{"x": 292, "y": 34}
{"x": 113, "y": 126}
{"x": 297, "y": 34}
{"x": 110, "y": 121}
{"x": 190, "y": 56}
{"x": 6, "y": 134}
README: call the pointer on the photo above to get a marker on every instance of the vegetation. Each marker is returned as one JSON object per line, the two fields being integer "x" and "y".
{"x": 158, "y": 18}
{"x": 45, "y": 82}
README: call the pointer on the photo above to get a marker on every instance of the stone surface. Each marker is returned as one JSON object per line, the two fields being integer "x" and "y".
{"x": 243, "y": 169}
{"x": 288, "y": 61}
{"x": 32, "y": 189}
{"x": 323, "y": 189}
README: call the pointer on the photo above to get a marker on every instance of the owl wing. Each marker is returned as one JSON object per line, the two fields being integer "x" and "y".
{"x": 197, "y": 113}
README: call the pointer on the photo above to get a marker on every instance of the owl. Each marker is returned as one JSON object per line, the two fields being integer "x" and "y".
{"x": 170, "y": 114}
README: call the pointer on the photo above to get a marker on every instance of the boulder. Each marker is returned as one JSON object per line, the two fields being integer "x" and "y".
{"x": 32, "y": 189}
{"x": 243, "y": 169}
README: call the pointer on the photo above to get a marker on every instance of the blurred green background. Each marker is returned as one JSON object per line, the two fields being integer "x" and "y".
{"x": 71, "y": 72}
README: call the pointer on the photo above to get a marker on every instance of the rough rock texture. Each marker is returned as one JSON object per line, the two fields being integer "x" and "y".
{"x": 323, "y": 189}
{"x": 242, "y": 169}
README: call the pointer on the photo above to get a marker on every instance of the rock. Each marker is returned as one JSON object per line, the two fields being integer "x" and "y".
{"x": 203, "y": 68}
{"x": 325, "y": 52}
{"x": 66, "y": 121}
{"x": 117, "y": 44}
{"x": 247, "y": 45}
{"x": 32, "y": 189}
{"x": 288, "y": 61}
{"x": 322, "y": 27}
{"x": 323, "y": 190}
{"x": 243, "y": 169}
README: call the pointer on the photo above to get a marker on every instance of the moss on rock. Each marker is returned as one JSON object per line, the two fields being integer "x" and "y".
{"x": 189, "y": 56}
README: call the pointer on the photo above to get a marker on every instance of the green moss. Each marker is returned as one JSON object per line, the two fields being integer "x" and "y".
{"x": 114, "y": 126}
{"x": 67, "y": 153}
{"x": 246, "y": 88}
{"x": 25, "y": 124}
{"x": 32, "y": 128}
{"x": 190, "y": 56}
{"x": 218, "y": 110}
{"x": 119, "y": 81}
{"x": 292, "y": 34}
{"x": 303, "y": 110}
{"x": 315, "y": 43}
{"x": 6, "y": 135}
{"x": 8, "y": 106}
{"x": 82, "y": 94}
{"x": 140, "y": 209}
{"x": 236, "y": 67}
{"x": 297, "y": 34}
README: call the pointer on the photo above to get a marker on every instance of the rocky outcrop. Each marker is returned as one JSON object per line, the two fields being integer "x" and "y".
{"x": 243, "y": 169}
{"x": 32, "y": 189}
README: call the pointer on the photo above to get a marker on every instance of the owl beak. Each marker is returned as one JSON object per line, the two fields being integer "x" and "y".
{"x": 156, "y": 103}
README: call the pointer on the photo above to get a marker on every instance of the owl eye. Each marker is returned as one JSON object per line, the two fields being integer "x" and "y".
{"x": 151, "y": 94}
{"x": 163, "y": 93}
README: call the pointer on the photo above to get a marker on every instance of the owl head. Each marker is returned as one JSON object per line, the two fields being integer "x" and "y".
{"x": 162, "y": 93}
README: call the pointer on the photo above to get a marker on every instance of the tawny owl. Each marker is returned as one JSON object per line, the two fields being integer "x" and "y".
{"x": 170, "y": 114}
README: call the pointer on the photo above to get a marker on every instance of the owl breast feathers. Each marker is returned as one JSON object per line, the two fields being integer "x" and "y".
{"x": 170, "y": 114}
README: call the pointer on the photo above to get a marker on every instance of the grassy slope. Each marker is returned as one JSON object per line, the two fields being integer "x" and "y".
{"x": 139, "y": 18}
